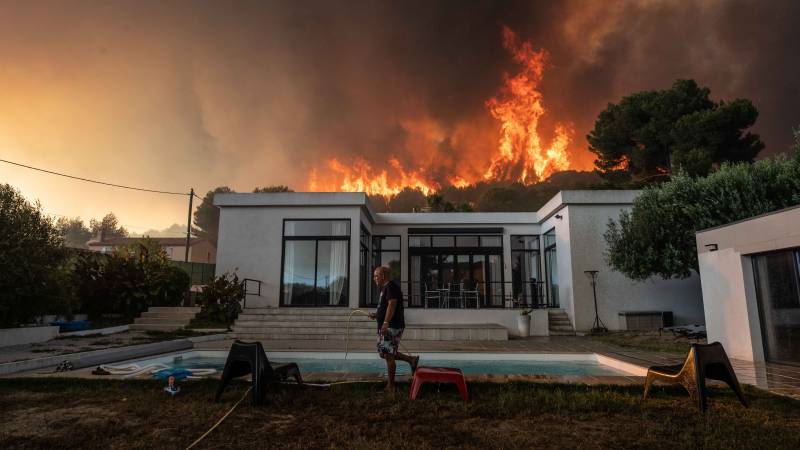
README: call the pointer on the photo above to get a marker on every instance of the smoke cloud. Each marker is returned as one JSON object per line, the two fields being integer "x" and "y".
{"x": 258, "y": 93}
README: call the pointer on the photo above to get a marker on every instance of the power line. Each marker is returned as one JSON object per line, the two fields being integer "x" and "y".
{"x": 93, "y": 181}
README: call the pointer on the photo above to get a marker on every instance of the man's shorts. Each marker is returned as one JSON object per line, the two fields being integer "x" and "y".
{"x": 390, "y": 344}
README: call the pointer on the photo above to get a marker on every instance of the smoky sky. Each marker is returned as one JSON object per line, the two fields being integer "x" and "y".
{"x": 202, "y": 93}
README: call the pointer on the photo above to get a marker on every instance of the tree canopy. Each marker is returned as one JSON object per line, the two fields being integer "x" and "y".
{"x": 109, "y": 225}
{"x": 276, "y": 188}
{"x": 206, "y": 216}
{"x": 657, "y": 237}
{"x": 656, "y": 132}
{"x": 74, "y": 232}
{"x": 31, "y": 262}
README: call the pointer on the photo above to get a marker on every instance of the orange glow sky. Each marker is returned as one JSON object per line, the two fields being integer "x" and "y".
{"x": 201, "y": 94}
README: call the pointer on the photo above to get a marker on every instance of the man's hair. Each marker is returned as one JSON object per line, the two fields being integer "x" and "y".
{"x": 383, "y": 270}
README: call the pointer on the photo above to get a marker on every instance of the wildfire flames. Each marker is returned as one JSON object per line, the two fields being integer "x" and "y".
{"x": 520, "y": 155}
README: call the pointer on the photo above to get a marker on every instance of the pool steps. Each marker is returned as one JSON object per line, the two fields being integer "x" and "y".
{"x": 331, "y": 324}
{"x": 164, "y": 318}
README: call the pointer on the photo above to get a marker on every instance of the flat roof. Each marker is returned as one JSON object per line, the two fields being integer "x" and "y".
{"x": 360, "y": 199}
{"x": 736, "y": 222}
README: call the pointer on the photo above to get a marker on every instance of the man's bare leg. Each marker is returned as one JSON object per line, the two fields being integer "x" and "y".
{"x": 391, "y": 366}
{"x": 411, "y": 360}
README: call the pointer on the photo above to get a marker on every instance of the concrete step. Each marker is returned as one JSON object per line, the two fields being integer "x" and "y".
{"x": 561, "y": 328}
{"x": 304, "y": 330}
{"x": 279, "y": 326}
{"x": 158, "y": 320}
{"x": 296, "y": 337}
{"x": 161, "y": 315}
{"x": 413, "y": 334}
{"x": 156, "y": 327}
{"x": 174, "y": 309}
{"x": 303, "y": 318}
{"x": 562, "y": 333}
{"x": 566, "y": 323}
{"x": 299, "y": 311}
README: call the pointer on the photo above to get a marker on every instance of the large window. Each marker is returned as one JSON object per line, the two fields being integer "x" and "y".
{"x": 551, "y": 267}
{"x": 316, "y": 258}
{"x": 525, "y": 274}
{"x": 456, "y": 270}
{"x": 385, "y": 252}
{"x": 778, "y": 291}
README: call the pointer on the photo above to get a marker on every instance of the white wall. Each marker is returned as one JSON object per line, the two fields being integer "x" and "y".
{"x": 504, "y": 317}
{"x": 729, "y": 296}
{"x": 615, "y": 292}
{"x": 731, "y": 318}
{"x": 251, "y": 243}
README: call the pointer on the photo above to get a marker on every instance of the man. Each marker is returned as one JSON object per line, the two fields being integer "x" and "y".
{"x": 391, "y": 323}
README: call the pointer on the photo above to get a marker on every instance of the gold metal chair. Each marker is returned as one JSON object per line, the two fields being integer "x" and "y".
{"x": 703, "y": 361}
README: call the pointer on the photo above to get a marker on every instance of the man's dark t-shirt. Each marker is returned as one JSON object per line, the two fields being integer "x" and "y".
{"x": 391, "y": 291}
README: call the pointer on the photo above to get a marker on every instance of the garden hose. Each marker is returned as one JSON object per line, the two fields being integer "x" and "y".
{"x": 220, "y": 419}
{"x": 225, "y": 416}
{"x": 347, "y": 334}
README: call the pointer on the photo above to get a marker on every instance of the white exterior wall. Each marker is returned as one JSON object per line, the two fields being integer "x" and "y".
{"x": 251, "y": 243}
{"x": 728, "y": 282}
{"x": 585, "y": 226}
{"x": 251, "y": 240}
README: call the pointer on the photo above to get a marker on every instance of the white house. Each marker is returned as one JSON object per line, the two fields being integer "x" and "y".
{"x": 318, "y": 249}
{"x": 750, "y": 273}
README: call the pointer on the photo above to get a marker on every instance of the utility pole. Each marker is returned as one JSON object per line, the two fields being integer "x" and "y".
{"x": 189, "y": 225}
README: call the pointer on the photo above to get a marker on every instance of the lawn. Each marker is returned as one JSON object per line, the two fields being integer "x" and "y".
{"x": 651, "y": 341}
{"x": 59, "y": 413}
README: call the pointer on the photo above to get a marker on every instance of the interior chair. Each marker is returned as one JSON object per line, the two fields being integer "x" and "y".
{"x": 432, "y": 295}
{"x": 470, "y": 295}
{"x": 250, "y": 358}
{"x": 703, "y": 362}
{"x": 455, "y": 292}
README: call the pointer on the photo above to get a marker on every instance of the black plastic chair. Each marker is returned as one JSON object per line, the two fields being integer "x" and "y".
{"x": 703, "y": 361}
{"x": 250, "y": 358}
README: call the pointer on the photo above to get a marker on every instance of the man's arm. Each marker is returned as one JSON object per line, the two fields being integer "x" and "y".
{"x": 391, "y": 304}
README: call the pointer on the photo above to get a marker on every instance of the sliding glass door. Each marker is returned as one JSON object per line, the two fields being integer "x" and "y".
{"x": 475, "y": 263}
{"x": 551, "y": 267}
{"x": 316, "y": 258}
{"x": 778, "y": 292}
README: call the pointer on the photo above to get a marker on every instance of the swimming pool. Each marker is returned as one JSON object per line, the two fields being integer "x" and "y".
{"x": 554, "y": 364}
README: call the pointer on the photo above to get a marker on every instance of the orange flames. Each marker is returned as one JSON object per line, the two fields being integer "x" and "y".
{"x": 521, "y": 155}
{"x": 519, "y": 108}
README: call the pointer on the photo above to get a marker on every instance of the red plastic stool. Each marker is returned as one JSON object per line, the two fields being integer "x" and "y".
{"x": 438, "y": 375}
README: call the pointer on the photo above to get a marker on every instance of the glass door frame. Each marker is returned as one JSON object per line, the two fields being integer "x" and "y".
{"x": 795, "y": 253}
{"x": 455, "y": 252}
{"x": 553, "y": 303}
{"x": 316, "y": 240}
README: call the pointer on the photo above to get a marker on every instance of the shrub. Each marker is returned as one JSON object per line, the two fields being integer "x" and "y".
{"x": 128, "y": 281}
{"x": 32, "y": 261}
{"x": 657, "y": 237}
{"x": 221, "y": 299}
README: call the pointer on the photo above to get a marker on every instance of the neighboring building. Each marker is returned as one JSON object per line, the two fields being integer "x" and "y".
{"x": 318, "y": 249}
{"x": 750, "y": 273}
{"x": 200, "y": 249}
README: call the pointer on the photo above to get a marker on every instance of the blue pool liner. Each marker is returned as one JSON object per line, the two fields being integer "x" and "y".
{"x": 178, "y": 373}
{"x": 75, "y": 325}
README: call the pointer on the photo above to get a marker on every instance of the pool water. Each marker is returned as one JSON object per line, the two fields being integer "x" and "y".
{"x": 369, "y": 363}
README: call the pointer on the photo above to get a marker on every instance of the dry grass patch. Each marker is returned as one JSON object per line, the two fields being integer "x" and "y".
{"x": 71, "y": 413}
